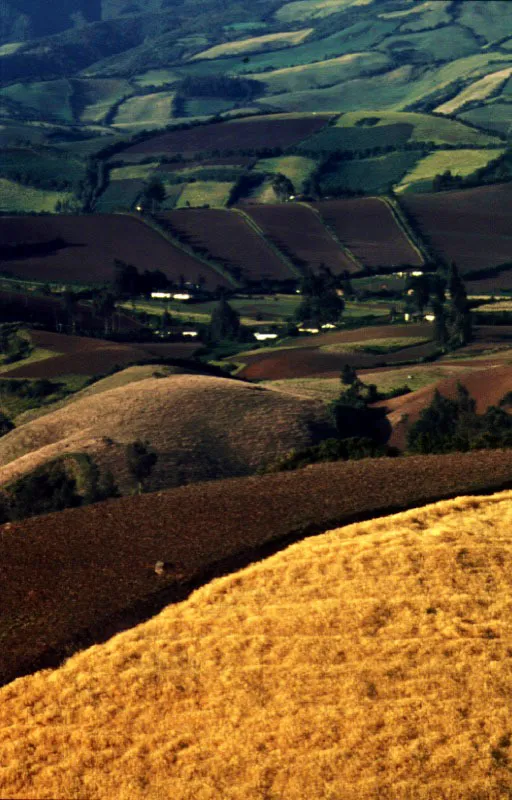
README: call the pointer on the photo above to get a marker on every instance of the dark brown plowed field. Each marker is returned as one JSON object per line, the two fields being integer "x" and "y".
{"x": 308, "y": 360}
{"x": 76, "y": 577}
{"x": 78, "y": 355}
{"x": 252, "y": 134}
{"x": 471, "y": 227}
{"x": 367, "y": 227}
{"x": 299, "y": 233}
{"x": 496, "y": 284}
{"x": 83, "y": 249}
{"x": 228, "y": 238}
{"x": 487, "y": 386}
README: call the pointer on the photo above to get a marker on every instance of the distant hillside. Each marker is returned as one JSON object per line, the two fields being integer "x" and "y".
{"x": 421, "y": 89}
{"x": 363, "y": 663}
{"x": 202, "y": 428}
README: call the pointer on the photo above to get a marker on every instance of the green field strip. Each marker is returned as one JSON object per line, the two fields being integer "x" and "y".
{"x": 154, "y": 225}
{"x": 405, "y": 228}
{"x": 332, "y": 233}
{"x": 259, "y": 231}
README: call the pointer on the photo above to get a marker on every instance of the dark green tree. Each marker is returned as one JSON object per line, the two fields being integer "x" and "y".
{"x": 154, "y": 193}
{"x": 141, "y": 461}
{"x": 321, "y": 302}
{"x": 459, "y": 321}
{"x": 224, "y": 322}
{"x": 348, "y": 375}
{"x": 6, "y": 424}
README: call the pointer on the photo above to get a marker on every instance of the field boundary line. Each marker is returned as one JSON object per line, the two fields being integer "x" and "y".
{"x": 261, "y": 233}
{"x": 402, "y": 223}
{"x": 155, "y": 226}
{"x": 332, "y": 233}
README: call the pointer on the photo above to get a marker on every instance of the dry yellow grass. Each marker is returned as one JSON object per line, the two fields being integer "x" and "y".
{"x": 202, "y": 427}
{"x": 255, "y": 44}
{"x": 478, "y": 90}
{"x": 373, "y": 661}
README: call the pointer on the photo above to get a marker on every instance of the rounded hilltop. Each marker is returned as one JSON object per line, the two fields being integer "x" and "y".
{"x": 366, "y": 662}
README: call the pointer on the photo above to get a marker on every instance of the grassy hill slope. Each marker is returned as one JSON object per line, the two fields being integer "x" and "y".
{"x": 365, "y": 662}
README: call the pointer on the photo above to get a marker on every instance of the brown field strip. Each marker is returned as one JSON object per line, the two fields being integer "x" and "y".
{"x": 75, "y": 577}
{"x": 252, "y": 134}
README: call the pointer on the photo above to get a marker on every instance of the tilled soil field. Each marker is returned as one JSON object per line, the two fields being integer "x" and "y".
{"x": 76, "y": 577}
{"x": 366, "y": 225}
{"x": 250, "y": 134}
{"x": 83, "y": 249}
{"x": 471, "y": 227}
{"x": 299, "y": 233}
{"x": 227, "y": 237}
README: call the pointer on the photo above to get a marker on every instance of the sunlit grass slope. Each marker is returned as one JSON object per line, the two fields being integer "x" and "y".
{"x": 370, "y": 662}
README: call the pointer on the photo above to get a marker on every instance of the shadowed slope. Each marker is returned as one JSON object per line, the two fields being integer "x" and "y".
{"x": 372, "y": 661}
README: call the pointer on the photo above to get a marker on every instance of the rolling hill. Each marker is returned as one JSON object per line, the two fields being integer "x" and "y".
{"x": 202, "y": 428}
{"x": 364, "y": 662}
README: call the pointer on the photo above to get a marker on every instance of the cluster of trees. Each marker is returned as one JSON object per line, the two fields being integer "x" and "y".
{"x": 14, "y": 345}
{"x": 448, "y": 425}
{"x": 453, "y": 321}
{"x": 219, "y": 86}
{"x": 321, "y": 298}
{"x": 129, "y": 282}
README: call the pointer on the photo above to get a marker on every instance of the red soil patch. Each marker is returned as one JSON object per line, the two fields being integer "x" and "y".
{"x": 226, "y": 236}
{"x": 88, "y": 246}
{"x": 366, "y": 225}
{"x": 79, "y": 576}
{"x": 78, "y": 355}
{"x": 299, "y": 233}
{"x": 487, "y": 386}
{"x": 251, "y": 134}
{"x": 309, "y": 360}
{"x": 472, "y": 227}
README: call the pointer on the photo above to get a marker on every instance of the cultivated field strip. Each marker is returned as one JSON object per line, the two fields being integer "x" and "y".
{"x": 366, "y": 662}
{"x": 95, "y": 565}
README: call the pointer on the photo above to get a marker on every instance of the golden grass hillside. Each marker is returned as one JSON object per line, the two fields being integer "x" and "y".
{"x": 202, "y": 428}
{"x": 373, "y": 661}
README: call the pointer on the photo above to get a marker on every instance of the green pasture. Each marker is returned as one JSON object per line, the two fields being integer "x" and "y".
{"x": 390, "y": 90}
{"x": 420, "y": 16}
{"x": 152, "y": 109}
{"x": 369, "y": 175}
{"x": 309, "y": 9}
{"x": 255, "y": 44}
{"x": 459, "y": 162}
{"x": 495, "y": 116}
{"x": 173, "y": 193}
{"x": 16, "y": 197}
{"x": 357, "y": 138}
{"x": 443, "y": 44}
{"x": 41, "y": 166}
{"x": 479, "y": 90}
{"x": 297, "y": 168}
{"x": 324, "y": 73}
{"x": 483, "y": 20}
{"x": 119, "y": 195}
{"x": 97, "y": 96}
{"x": 201, "y": 193}
{"x": 324, "y": 389}
{"x": 424, "y": 128}
{"x": 133, "y": 172}
{"x": 156, "y": 77}
{"x": 381, "y": 345}
{"x": 49, "y": 99}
